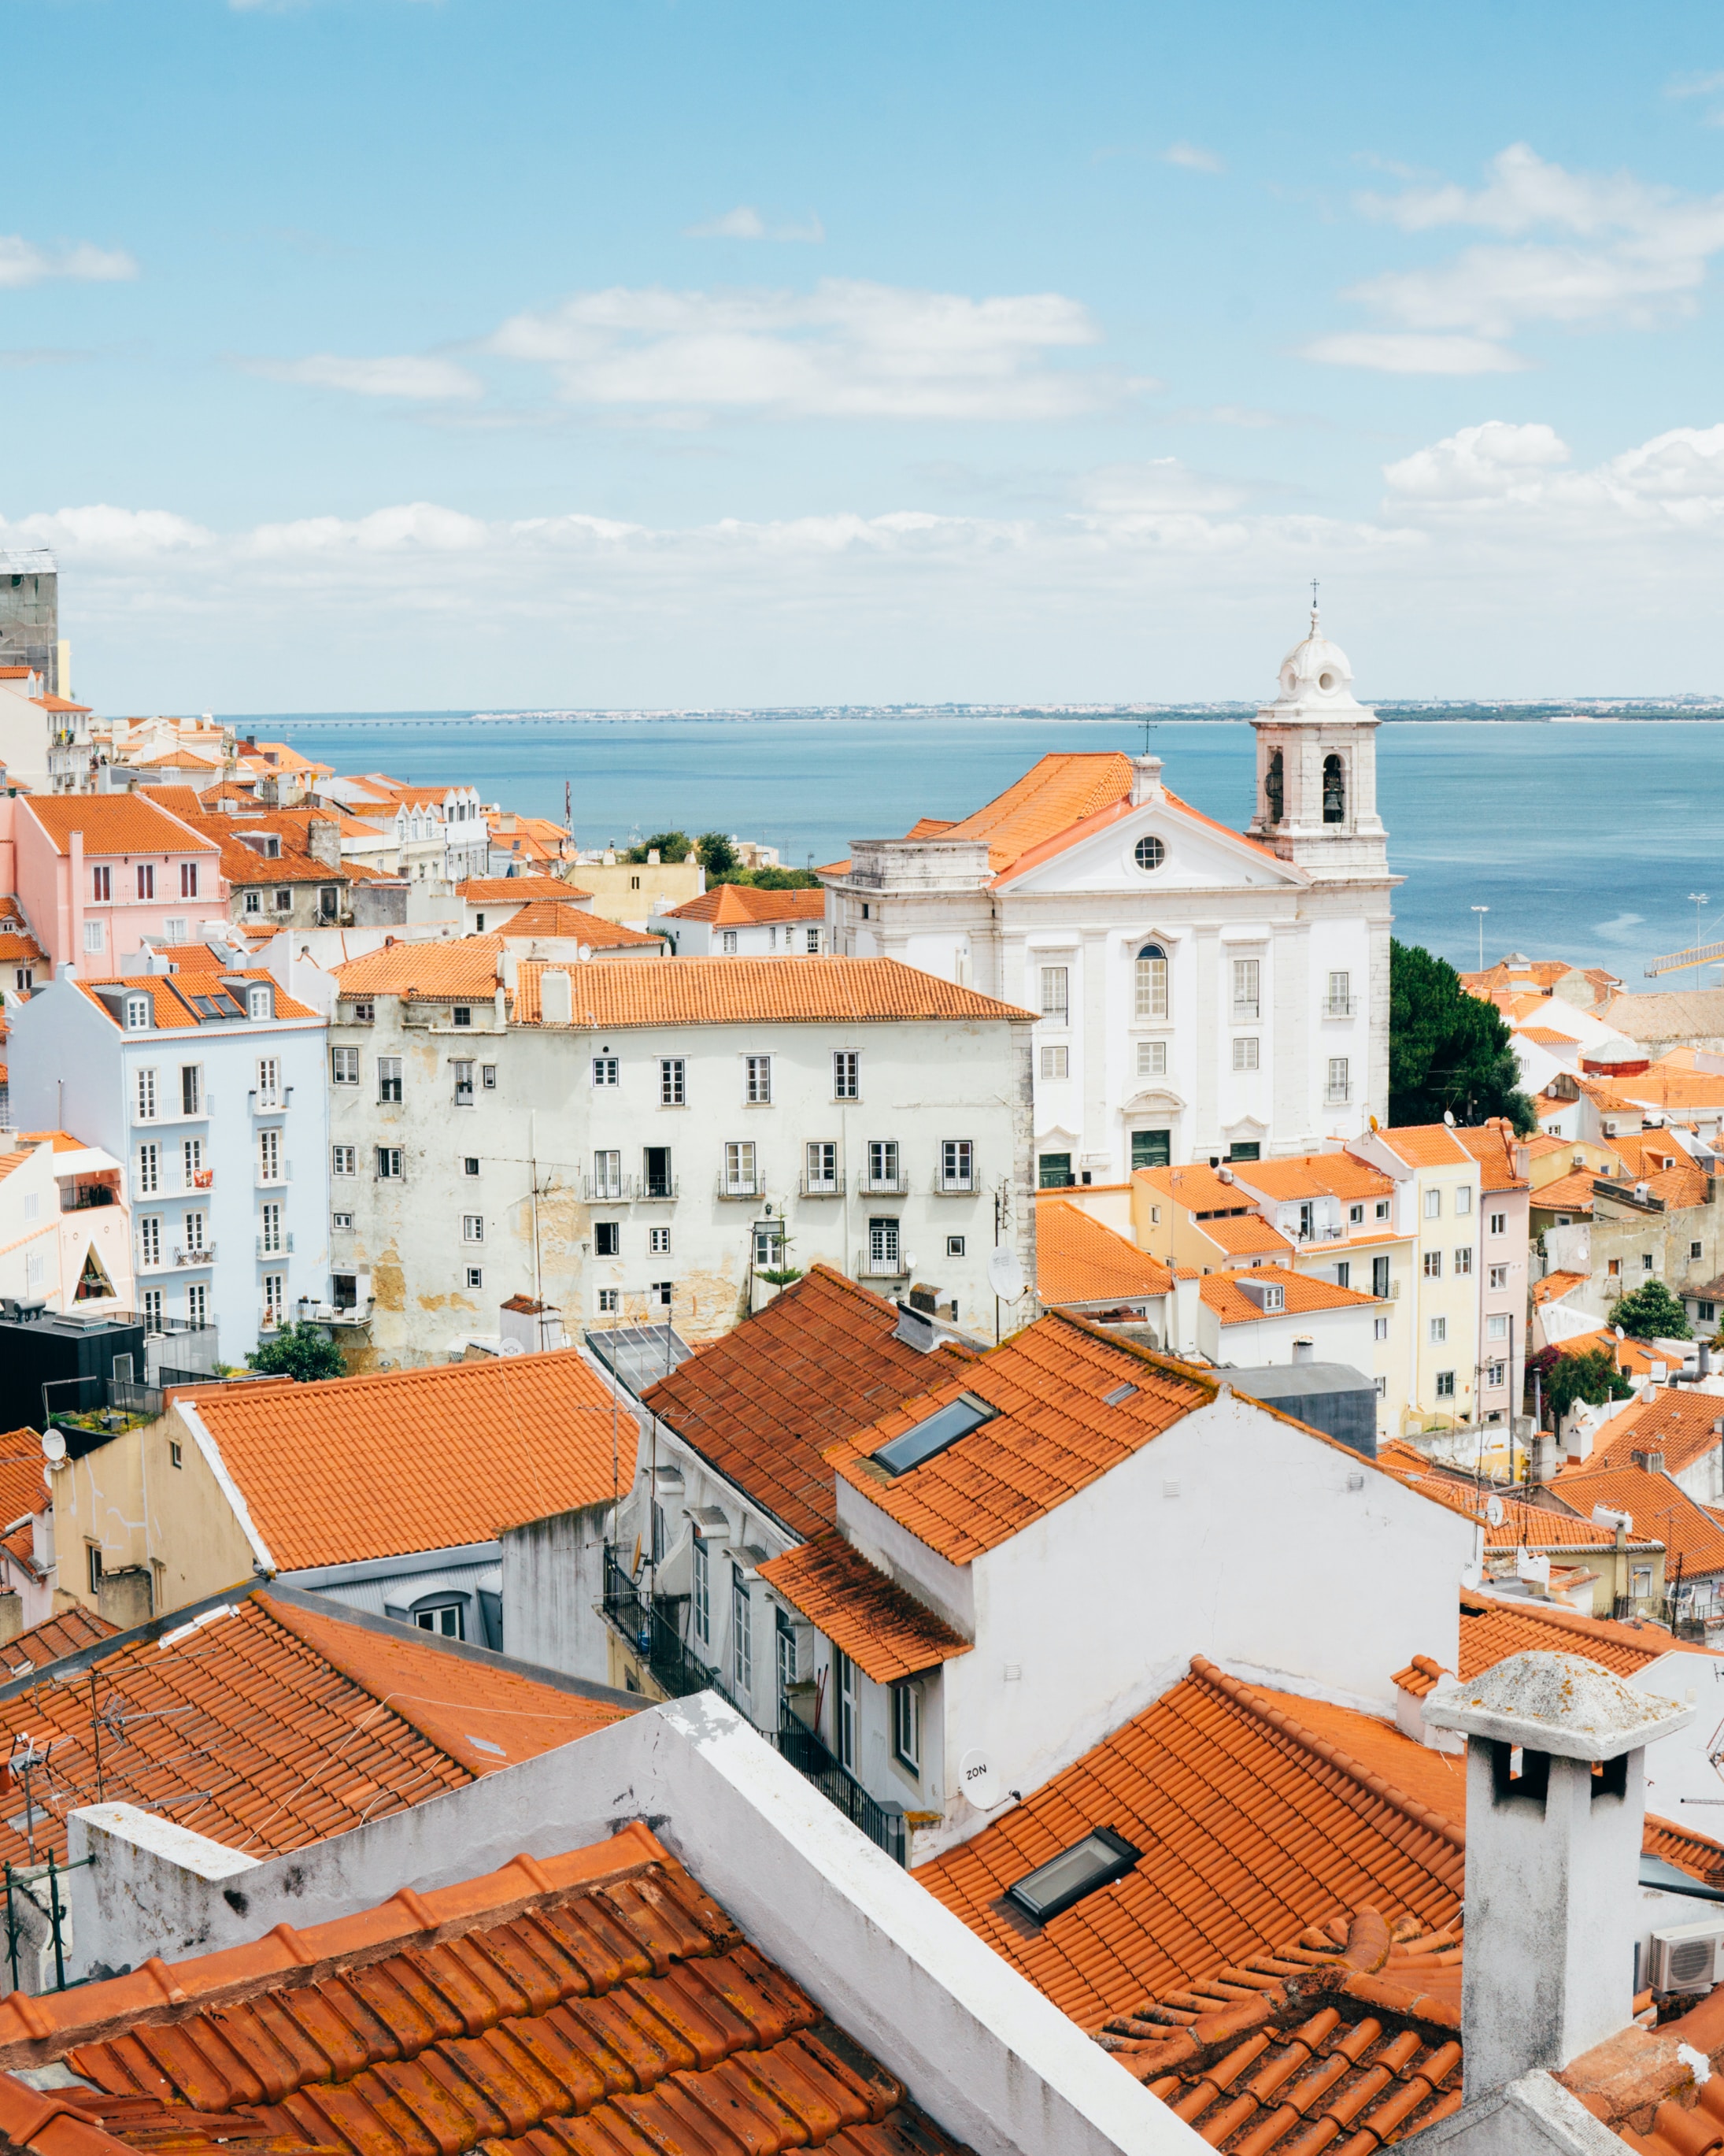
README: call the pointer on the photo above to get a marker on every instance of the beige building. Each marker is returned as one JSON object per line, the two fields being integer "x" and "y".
{"x": 632, "y": 893}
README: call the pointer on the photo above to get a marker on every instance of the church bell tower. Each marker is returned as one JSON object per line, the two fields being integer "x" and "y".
{"x": 1317, "y": 769}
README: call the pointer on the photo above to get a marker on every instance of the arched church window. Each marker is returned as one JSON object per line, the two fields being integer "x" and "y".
{"x": 1151, "y": 982}
{"x": 1272, "y": 793}
{"x": 1334, "y": 791}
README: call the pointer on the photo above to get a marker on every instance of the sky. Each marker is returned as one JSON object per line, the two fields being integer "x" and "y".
{"x": 398, "y": 354}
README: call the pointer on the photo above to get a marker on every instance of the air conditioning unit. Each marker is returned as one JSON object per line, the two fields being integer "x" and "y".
{"x": 1687, "y": 1957}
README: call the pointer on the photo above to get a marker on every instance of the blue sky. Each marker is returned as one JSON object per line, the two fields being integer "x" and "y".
{"x": 390, "y": 353}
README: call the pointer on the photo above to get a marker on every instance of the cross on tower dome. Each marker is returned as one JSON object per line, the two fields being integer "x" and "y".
{"x": 1315, "y": 671}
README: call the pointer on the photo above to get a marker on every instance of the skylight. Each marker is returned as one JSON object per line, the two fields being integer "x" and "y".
{"x": 1097, "y": 1860}
{"x": 1118, "y": 1396}
{"x": 943, "y": 1428}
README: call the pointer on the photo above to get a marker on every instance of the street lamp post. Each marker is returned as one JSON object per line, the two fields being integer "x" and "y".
{"x": 1481, "y": 911}
{"x": 1696, "y": 899}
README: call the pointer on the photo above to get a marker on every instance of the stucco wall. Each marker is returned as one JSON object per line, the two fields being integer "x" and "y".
{"x": 553, "y": 1574}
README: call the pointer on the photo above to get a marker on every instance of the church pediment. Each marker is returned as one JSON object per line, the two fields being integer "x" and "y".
{"x": 1158, "y": 846}
{"x": 1156, "y": 1099}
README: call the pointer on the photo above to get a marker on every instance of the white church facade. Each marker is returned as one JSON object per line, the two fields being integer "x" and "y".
{"x": 1201, "y": 993}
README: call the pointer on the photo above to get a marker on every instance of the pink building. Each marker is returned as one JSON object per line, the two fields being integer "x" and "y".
{"x": 97, "y": 873}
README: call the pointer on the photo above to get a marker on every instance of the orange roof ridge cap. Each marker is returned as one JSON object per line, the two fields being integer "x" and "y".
{"x": 1250, "y": 1697}
{"x": 1169, "y": 1365}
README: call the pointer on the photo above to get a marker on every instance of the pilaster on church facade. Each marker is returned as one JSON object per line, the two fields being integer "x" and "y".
{"x": 1199, "y": 992}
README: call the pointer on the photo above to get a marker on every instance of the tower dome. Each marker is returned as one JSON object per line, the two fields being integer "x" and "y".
{"x": 1317, "y": 672}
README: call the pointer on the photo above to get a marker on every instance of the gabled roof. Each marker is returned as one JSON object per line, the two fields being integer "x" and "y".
{"x": 1199, "y": 1187}
{"x": 1426, "y": 1144}
{"x": 748, "y": 991}
{"x": 170, "y": 993}
{"x": 414, "y": 1460}
{"x": 462, "y": 969}
{"x": 1301, "y": 1293}
{"x": 23, "y": 1477}
{"x": 880, "y": 1627}
{"x": 763, "y": 1401}
{"x": 561, "y": 917}
{"x": 566, "y": 2005}
{"x": 1492, "y": 1630}
{"x": 1683, "y": 1425}
{"x": 1055, "y": 793}
{"x": 1245, "y": 1235}
{"x": 509, "y": 890}
{"x": 183, "y": 801}
{"x": 113, "y": 824}
{"x": 1657, "y": 1504}
{"x": 1523, "y": 1526}
{"x": 736, "y": 905}
{"x": 1554, "y": 1286}
{"x": 1080, "y": 1260}
{"x": 63, "y": 1634}
{"x": 267, "y": 1726}
{"x": 1491, "y": 1144}
{"x": 1314, "y": 1175}
{"x": 1569, "y": 1193}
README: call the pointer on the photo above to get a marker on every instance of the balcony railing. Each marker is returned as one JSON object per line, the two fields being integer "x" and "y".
{"x": 740, "y": 1186}
{"x": 276, "y": 1246}
{"x": 81, "y": 1196}
{"x": 1337, "y": 1007}
{"x": 647, "y": 1627}
{"x": 873, "y": 1268}
{"x": 204, "y": 1255}
{"x": 886, "y": 1186}
{"x": 822, "y": 1186}
{"x": 955, "y": 1186}
{"x": 883, "y": 1824}
{"x": 655, "y": 1190}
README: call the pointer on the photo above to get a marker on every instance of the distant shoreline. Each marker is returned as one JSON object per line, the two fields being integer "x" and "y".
{"x": 1616, "y": 714}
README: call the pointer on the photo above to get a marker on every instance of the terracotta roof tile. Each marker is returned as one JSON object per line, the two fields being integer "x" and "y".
{"x": 1314, "y": 1175}
{"x": 1492, "y": 1630}
{"x": 1426, "y": 1144}
{"x": 563, "y": 917}
{"x": 1055, "y": 792}
{"x": 63, "y": 1634}
{"x": 1683, "y": 1425}
{"x": 267, "y": 1727}
{"x": 593, "y": 2001}
{"x": 510, "y": 890}
{"x": 1524, "y": 1525}
{"x": 1554, "y": 1286}
{"x": 1569, "y": 1193}
{"x": 414, "y": 1460}
{"x": 1542, "y": 1037}
{"x": 168, "y": 993}
{"x": 762, "y": 1403}
{"x": 1491, "y": 1144}
{"x": 1246, "y": 1235}
{"x": 741, "y": 905}
{"x": 1080, "y": 1260}
{"x": 463, "y": 968}
{"x": 1657, "y": 1504}
{"x": 878, "y": 1624}
{"x": 113, "y": 824}
{"x": 1197, "y": 1188}
{"x": 1301, "y": 1292}
{"x": 746, "y": 991}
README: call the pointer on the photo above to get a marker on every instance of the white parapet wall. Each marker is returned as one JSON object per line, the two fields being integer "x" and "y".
{"x": 980, "y": 2049}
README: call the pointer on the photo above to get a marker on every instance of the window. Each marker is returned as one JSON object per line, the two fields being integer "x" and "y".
{"x": 93, "y": 1563}
{"x": 1150, "y": 1149}
{"x": 344, "y": 1065}
{"x": 188, "y": 878}
{"x": 1273, "y": 786}
{"x": 659, "y": 1242}
{"x": 1496, "y": 1325}
{"x": 1706, "y": 1311}
{"x": 1334, "y": 790}
{"x": 608, "y": 1239}
{"x": 284, "y": 901}
{"x": 656, "y": 1160}
{"x": 727, "y": 942}
{"x": 1499, "y": 1223}
{"x": 444, "y": 1619}
{"x": 1344, "y": 1273}
{"x": 672, "y": 1091}
{"x": 605, "y": 1070}
{"x": 1439, "y": 1330}
{"x": 1383, "y": 1208}
{"x": 703, "y": 1593}
{"x": 1434, "y": 1265}
{"x": 1150, "y": 984}
{"x": 957, "y": 1164}
{"x": 1646, "y": 1262}
{"x": 609, "y": 1299}
{"x": 739, "y": 1168}
{"x": 847, "y": 1075}
{"x": 1151, "y": 1059}
{"x": 152, "y": 1310}
{"x": 1433, "y": 1204}
{"x": 146, "y": 878}
{"x": 389, "y": 1164}
{"x": 270, "y": 1242}
{"x": 461, "y": 1014}
{"x": 1695, "y": 1249}
{"x": 101, "y": 884}
{"x": 1245, "y": 976}
{"x": 269, "y": 1085}
{"x": 93, "y": 936}
{"x": 820, "y": 1169}
{"x": 388, "y": 1077}
{"x": 1339, "y": 1003}
{"x": 608, "y": 1175}
{"x": 768, "y": 1246}
{"x": 488, "y": 1076}
{"x": 1355, "y": 1216}
{"x": 469, "y": 1164}
{"x": 174, "y": 930}
{"x": 329, "y": 903}
{"x": 1382, "y": 1388}
{"x": 1463, "y": 1197}
{"x": 472, "y": 1227}
{"x": 742, "y": 1633}
{"x": 1379, "y": 1328}
{"x": 1379, "y": 1279}
{"x": 1612, "y": 1267}
{"x": 849, "y": 1709}
{"x": 150, "y": 1240}
{"x": 1055, "y": 999}
{"x": 344, "y": 1160}
{"x": 23, "y": 978}
{"x": 1244, "y": 1051}
{"x": 1339, "y": 1085}
{"x": 254, "y": 901}
{"x": 954, "y": 1246}
{"x": 883, "y": 1163}
{"x": 197, "y": 1305}
{"x": 275, "y": 1299}
{"x": 1056, "y": 1062}
{"x": 1445, "y": 1384}
{"x": 137, "y": 1014}
{"x": 1499, "y": 1276}
{"x": 883, "y": 1246}
{"x": 464, "y": 1085}
{"x": 1054, "y": 1171}
{"x": 341, "y": 1221}
{"x": 907, "y": 1727}
{"x": 146, "y": 1096}
{"x": 757, "y": 1080}
{"x": 365, "y": 1012}
{"x": 1149, "y": 852}
{"x": 1463, "y": 1260}
{"x": 1097, "y": 1860}
{"x": 270, "y": 1156}
{"x": 814, "y": 942}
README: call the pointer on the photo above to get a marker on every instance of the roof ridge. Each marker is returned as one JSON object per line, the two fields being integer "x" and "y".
{"x": 1249, "y": 1697}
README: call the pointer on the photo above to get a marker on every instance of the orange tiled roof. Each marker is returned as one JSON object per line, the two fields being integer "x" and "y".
{"x": 63, "y": 1634}
{"x": 1524, "y": 1525}
{"x": 177, "y": 800}
{"x": 463, "y": 968}
{"x": 508, "y": 891}
{"x": 113, "y": 824}
{"x": 1569, "y": 1193}
{"x": 1197, "y": 1188}
{"x": 1491, "y": 1144}
{"x": 879, "y": 1626}
{"x": 1542, "y": 1037}
{"x": 414, "y": 1460}
{"x": 593, "y": 2001}
{"x": 737, "y": 904}
{"x": 1301, "y": 1292}
{"x": 1426, "y": 1144}
{"x": 1492, "y": 1630}
{"x": 169, "y": 993}
{"x": 18, "y": 948}
{"x": 560, "y": 917}
{"x": 746, "y": 990}
{"x": 1554, "y": 1286}
{"x": 1078, "y": 1258}
{"x": 762, "y": 1401}
{"x": 1316, "y": 1175}
{"x": 1246, "y": 1235}
{"x": 1656, "y": 1504}
{"x": 1054, "y": 1436}
{"x": 1055, "y": 792}
{"x": 363, "y": 1723}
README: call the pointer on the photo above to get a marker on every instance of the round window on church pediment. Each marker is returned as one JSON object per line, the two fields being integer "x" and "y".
{"x": 1149, "y": 852}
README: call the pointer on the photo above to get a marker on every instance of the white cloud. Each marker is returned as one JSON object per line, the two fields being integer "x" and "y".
{"x": 1391, "y": 351}
{"x": 406, "y": 376}
{"x": 1502, "y": 478}
{"x": 847, "y": 350}
{"x": 1193, "y": 159}
{"x": 744, "y": 222}
{"x": 1487, "y": 462}
{"x": 22, "y": 263}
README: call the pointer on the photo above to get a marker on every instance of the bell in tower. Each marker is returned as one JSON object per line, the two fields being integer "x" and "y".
{"x": 1317, "y": 767}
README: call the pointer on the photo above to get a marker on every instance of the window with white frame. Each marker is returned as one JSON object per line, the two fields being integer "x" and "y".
{"x": 659, "y": 1242}
{"x": 1496, "y": 1325}
{"x": 1439, "y": 1330}
{"x": 847, "y": 1075}
{"x": 757, "y": 1080}
{"x": 137, "y": 1014}
{"x": 188, "y": 878}
{"x": 174, "y": 930}
{"x": 473, "y": 1227}
{"x": 1463, "y": 1197}
{"x": 275, "y": 1299}
{"x": 149, "y": 1239}
{"x": 344, "y": 1066}
{"x": 197, "y": 1304}
{"x": 739, "y": 1168}
{"x": 269, "y": 1086}
{"x": 102, "y": 883}
{"x": 153, "y": 1318}
{"x": 608, "y": 1174}
{"x": 1464, "y": 1259}
{"x": 464, "y": 1083}
{"x": 1056, "y": 1061}
{"x": 254, "y": 901}
{"x": 146, "y": 878}
{"x": 1433, "y": 1204}
{"x": 341, "y": 1220}
{"x": 1382, "y": 1388}
{"x": 461, "y": 1014}
{"x": 848, "y": 1720}
{"x": 673, "y": 1082}
{"x": 727, "y": 942}
{"x": 1149, "y": 997}
{"x": 1339, "y": 1003}
{"x": 1499, "y": 1276}
{"x": 883, "y": 1163}
{"x": 1379, "y": 1328}
{"x": 388, "y": 1078}
{"x": 269, "y": 1231}
{"x": 258, "y": 1001}
{"x": 907, "y": 1727}
{"x": 1244, "y": 1051}
{"x": 487, "y": 1077}
{"x": 145, "y": 1097}
{"x": 703, "y": 1593}
{"x": 1339, "y": 1086}
{"x": 1434, "y": 1265}
{"x": 1383, "y": 1208}
{"x": 1445, "y": 1384}
{"x": 1495, "y": 1375}
{"x": 344, "y": 1160}
{"x": 957, "y": 1164}
{"x": 1151, "y": 1059}
{"x": 191, "y": 1176}
{"x": 768, "y": 1246}
{"x": 820, "y": 1166}
{"x": 609, "y": 1299}
{"x": 1056, "y": 1001}
{"x": 270, "y": 1156}
{"x": 742, "y": 1633}
{"x": 389, "y": 1164}
{"x": 95, "y": 936}
{"x": 148, "y": 1174}
{"x": 605, "y": 1070}
{"x": 1499, "y": 1223}
{"x": 883, "y": 1246}
{"x": 813, "y": 941}
{"x": 1247, "y": 974}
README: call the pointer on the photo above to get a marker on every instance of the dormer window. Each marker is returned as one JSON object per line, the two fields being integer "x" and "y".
{"x": 137, "y": 1014}
{"x": 260, "y": 1002}
{"x": 1274, "y": 1297}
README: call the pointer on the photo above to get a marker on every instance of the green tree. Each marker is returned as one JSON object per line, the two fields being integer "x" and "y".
{"x": 718, "y": 856}
{"x": 771, "y": 879}
{"x": 1593, "y": 1377}
{"x": 1652, "y": 1312}
{"x": 300, "y": 1351}
{"x": 668, "y": 845}
{"x": 1447, "y": 1050}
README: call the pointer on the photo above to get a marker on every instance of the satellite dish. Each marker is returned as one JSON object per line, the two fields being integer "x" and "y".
{"x": 909, "y": 1261}
{"x": 1620, "y": 1334}
{"x": 1005, "y": 1275}
{"x": 54, "y": 1446}
{"x": 1493, "y": 1511}
{"x": 978, "y": 1781}
{"x": 584, "y": 952}
{"x": 509, "y": 1347}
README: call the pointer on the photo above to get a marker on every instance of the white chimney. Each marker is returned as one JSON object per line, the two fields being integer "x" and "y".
{"x": 1185, "y": 1299}
{"x": 1145, "y": 780}
{"x": 1304, "y": 1350}
{"x": 557, "y": 997}
{"x": 1552, "y": 1857}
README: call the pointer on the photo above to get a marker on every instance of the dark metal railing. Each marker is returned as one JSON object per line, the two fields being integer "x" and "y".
{"x": 884, "y": 1825}
{"x": 653, "y": 1633}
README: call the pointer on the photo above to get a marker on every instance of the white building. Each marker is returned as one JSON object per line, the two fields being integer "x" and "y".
{"x": 210, "y": 1087}
{"x": 644, "y": 1141}
{"x": 736, "y": 921}
{"x": 1201, "y": 993}
{"x": 66, "y": 1229}
{"x": 434, "y": 832}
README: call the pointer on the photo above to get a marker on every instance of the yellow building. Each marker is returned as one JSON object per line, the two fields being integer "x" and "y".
{"x": 631, "y": 891}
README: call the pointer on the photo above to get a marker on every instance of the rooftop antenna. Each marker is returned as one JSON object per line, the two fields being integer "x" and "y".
{"x": 1313, "y": 606}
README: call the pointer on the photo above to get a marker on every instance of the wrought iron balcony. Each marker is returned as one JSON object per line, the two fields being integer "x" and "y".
{"x": 740, "y": 1186}
{"x": 883, "y": 1824}
{"x": 822, "y": 1186}
{"x": 276, "y": 1246}
{"x": 649, "y": 1626}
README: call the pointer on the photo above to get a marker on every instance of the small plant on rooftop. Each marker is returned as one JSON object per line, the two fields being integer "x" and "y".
{"x": 1652, "y": 1312}
{"x": 300, "y": 1351}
